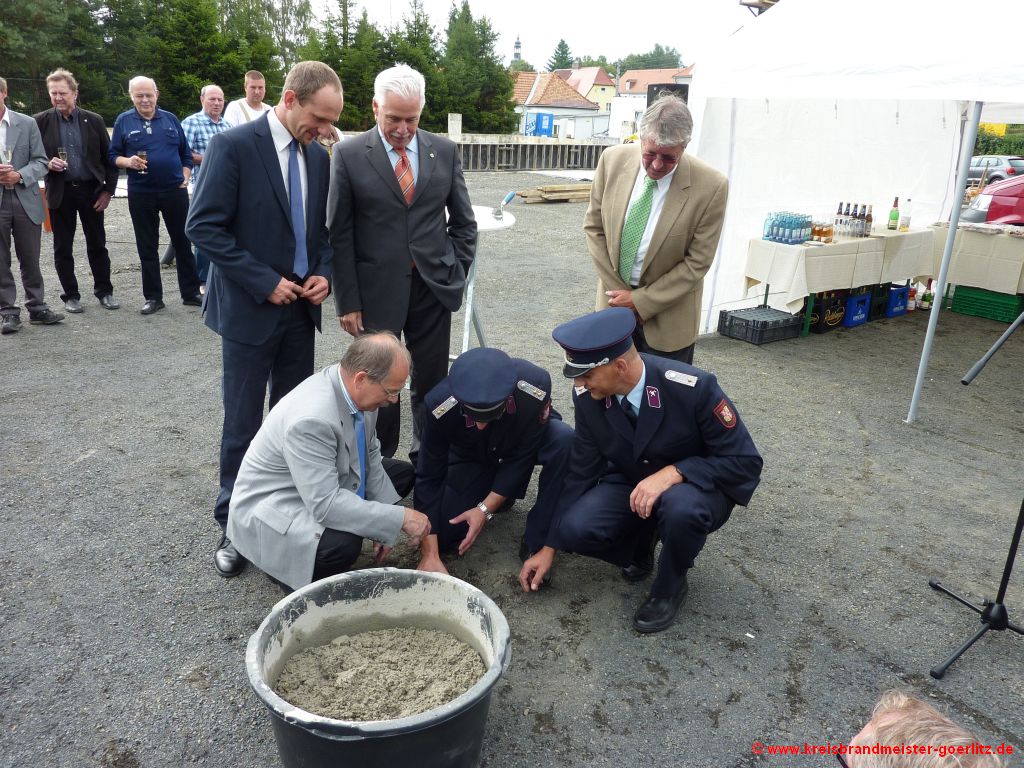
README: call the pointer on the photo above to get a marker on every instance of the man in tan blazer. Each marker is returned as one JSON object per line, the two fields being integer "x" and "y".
{"x": 653, "y": 259}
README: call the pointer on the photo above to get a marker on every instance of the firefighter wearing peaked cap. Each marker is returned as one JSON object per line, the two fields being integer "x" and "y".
{"x": 487, "y": 425}
{"x": 660, "y": 452}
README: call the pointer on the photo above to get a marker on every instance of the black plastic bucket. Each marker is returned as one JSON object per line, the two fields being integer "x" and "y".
{"x": 450, "y": 736}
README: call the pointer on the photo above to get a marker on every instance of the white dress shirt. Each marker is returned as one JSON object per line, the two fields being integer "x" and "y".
{"x": 282, "y": 143}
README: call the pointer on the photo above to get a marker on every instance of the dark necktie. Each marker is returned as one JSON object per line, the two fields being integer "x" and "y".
{"x": 361, "y": 441}
{"x": 627, "y": 408}
{"x": 301, "y": 263}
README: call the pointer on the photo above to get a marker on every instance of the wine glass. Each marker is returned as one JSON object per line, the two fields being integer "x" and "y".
{"x": 6, "y": 155}
{"x": 143, "y": 154}
{"x": 62, "y": 153}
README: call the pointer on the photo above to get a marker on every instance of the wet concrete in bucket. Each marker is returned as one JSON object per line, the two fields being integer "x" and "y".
{"x": 380, "y": 675}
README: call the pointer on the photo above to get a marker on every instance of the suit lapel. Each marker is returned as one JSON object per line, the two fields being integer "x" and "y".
{"x": 619, "y": 201}
{"x": 377, "y": 157}
{"x": 348, "y": 424}
{"x": 268, "y": 156}
{"x": 675, "y": 201}
{"x": 617, "y": 418}
{"x": 427, "y": 158}
{"x": 651, "y": 413}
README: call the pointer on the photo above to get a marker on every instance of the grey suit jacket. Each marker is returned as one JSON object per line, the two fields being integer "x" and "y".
{"x": 682, "y": 247}
{"x": 301, "y": 475}
{"x": 377, "y": 237}
{"x": 29, "y": 159}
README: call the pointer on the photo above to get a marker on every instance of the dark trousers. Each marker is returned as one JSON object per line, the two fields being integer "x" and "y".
{"x": 601, "y": 524}
{"x": 282, "y": 361}
{"x": 338, "y": 550}
{"x": 468, "y": 482}
{"x": 78, "y": 201}
{"x": 427, "y": 333}
{"x": 684, "y": 355}
{"x": 146, "y": 208}
{"x": 27, "y": 237}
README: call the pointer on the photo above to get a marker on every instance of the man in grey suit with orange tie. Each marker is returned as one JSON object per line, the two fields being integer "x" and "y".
{"x": 259, "y": 213}
{"x": 398, "y": 264}
{"x": 652, "y": 229}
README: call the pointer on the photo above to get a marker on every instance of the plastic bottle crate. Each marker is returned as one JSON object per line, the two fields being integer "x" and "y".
{"x": 879, "y": 301}
{"x": 1005, "y": 307}
{"x": 897, "y": 301}
{"x": 857, "y": 306}
{"x": 759, "y": 325}
{"x": 828, "y": 311}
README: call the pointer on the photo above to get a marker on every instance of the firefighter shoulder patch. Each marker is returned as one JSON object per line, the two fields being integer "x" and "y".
{"x": 725, "y": 414}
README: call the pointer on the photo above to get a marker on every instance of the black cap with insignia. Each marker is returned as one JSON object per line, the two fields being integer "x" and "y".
{"x": 594, "y": 339}
{"x": 481, "y": 380}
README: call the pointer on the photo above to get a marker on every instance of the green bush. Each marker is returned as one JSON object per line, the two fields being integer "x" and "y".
{"x": 991, "y": 144}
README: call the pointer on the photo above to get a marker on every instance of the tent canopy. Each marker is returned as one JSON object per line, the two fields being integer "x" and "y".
{"x": 818, "y": 101}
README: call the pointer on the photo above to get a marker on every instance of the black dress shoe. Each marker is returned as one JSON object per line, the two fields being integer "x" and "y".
{"x": 657, "y": 613}
{"x": 10, "y": 324}
{"x": 643, "y": 561}
{"x": 74, "y": 306}
{"x": 45, "y": 317}
{"x": 229, "y": 563}
{"x": 151, "y": 306}
{"x": 109, "y": 302}
{"x": 193, "y": 301}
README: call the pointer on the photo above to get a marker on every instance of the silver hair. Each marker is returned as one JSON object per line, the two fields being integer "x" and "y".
{"x": 667, "y": 121}
{"x": 141, "y": 79}
{"x": 202, "y": 91}
{"x": 375, "y": 353}
{"x": 401, "y": 80}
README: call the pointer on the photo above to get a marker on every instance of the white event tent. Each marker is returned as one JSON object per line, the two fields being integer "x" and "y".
{"x": 817, "y": 101}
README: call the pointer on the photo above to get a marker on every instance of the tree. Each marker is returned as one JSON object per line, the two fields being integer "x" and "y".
{"x": 359, "y": 65}
{"x": 415, "y": 43}
{"x": 290, "y": 22}
{"x": 479, "y": 87}
{"x": 561, "y": 58}
{"x": 600, "y": 61}
{"x": 657, "y": 58}
{"x": 521, "y": 65}
{"x": 30, "y": 46}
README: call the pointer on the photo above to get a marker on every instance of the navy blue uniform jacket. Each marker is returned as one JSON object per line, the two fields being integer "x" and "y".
{"x": 241, "y": 220}
{"x": 509, "y": 444}
{"x": 685, "y": 419}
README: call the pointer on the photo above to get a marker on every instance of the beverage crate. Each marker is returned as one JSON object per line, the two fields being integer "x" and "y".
{"x": 879, "y": 300}
{"x": 1005, "y": 307}
{"x": 828, "y": 311}
{"x": 897, "y": 301}
{"x": 759, "y": 325}
{"x": 857, "y": 306}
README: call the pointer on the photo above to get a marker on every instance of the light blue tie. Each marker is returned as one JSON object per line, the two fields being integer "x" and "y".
{"x": 361, "y": 440}
{"x": 301, "y": 265}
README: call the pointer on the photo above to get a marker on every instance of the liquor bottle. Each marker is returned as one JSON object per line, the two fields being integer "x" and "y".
{"x": 869, "y": 222}
{"x": 837, "y": 223}
{"x": 928, "y": 297}
{"x": 855, "y": 222}
{"x": 912, "y": 298}
{"x": 905, "y": 218}
{"x": 894, "y": 215}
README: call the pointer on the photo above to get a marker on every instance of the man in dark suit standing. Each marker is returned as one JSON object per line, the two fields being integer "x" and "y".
{"x": 398, "y": 265}
{"x": 259, "y": 213}
{"x": 79, "y": 185}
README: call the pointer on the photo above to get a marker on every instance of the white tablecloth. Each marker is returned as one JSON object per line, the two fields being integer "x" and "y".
{"x": 982, "y": 260}
{"x": 793, "y": 271}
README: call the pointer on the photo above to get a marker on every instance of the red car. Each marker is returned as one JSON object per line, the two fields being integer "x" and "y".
{"x": 1001, "y": 202}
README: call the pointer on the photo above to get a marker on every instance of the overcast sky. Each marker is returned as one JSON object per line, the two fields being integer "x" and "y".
{"x": 590, "y": 27}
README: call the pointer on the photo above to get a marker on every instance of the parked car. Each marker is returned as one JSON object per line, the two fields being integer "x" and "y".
{"x": 998, "y": 203}
{"x": 999, "y": 167}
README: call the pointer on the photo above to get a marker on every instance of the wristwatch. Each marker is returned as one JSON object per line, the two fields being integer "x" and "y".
{"x": 487, "y": 513}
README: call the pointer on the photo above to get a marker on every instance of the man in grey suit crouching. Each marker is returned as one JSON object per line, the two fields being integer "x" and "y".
{"x": 311, "y": 485}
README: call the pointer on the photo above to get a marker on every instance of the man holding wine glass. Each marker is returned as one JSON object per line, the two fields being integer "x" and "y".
{"x": 80, "y": 183}
{"x": 22, "y": 165}
{"x": 150, "y": 144}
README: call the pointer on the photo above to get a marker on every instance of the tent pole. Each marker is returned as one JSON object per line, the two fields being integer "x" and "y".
{"x": 966, "y": 150}
{"x": 718, "y": 251}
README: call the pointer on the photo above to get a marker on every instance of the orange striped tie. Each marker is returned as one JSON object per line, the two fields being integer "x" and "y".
{"x": 403, "y": 172}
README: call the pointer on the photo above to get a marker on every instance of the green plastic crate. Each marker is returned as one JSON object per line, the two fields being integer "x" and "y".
{"x": 1005, "y": 307}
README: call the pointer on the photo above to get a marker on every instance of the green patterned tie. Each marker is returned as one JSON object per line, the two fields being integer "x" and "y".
{"x": 633, "y": 230}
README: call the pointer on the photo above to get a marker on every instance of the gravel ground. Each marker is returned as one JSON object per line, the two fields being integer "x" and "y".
{"x": 121, "y": 647}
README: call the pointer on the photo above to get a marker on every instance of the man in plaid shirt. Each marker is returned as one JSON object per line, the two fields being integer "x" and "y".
{"x": 198, "y": 130}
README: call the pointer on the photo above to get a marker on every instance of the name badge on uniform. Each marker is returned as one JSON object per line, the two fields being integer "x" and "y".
{"x": 653, "y": 397}
{"x": 681, "y": 378}
{"x": 444, "y": 407}
{"x": 579, "y": 390}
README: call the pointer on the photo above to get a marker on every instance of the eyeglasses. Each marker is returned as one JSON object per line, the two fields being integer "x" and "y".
{"x": 392, "y": 394}
{"x": 650, "y": 157}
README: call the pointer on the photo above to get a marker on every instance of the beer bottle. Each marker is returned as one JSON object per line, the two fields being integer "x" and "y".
{"x": 855, "y": 222}
{"x": 894, "y": 215}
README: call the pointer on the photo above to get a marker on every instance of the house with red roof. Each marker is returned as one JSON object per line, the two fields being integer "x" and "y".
{"x": 549, "y": 106}
{"x": 593, "y": 83}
